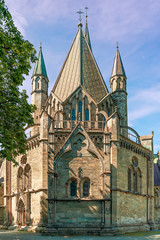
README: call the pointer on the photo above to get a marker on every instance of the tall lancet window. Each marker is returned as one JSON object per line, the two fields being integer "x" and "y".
{"x": 80, "y": 109}
{"x": 73, "y": 115}
{"x": 37, "y": 83}
{"x": 86, "y": 115}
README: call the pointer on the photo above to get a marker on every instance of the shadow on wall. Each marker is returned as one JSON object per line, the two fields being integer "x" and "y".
{"x": 1, "y": 203}
{"x": 44, "y": 209}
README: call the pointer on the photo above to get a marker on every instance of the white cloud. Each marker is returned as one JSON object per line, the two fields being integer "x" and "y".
{"x": 144, "y": 102}
{"x": 111, "y": 20}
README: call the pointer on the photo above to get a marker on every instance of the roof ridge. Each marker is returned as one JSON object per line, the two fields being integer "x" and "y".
{"x": 101, "y": 77}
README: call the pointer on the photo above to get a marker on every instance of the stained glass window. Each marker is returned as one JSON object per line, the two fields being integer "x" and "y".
{"x": 73, "y": 189}
{"x": 86, "y": 115}
{"x": 80, "y": 109}
{"x": 85, "y": 189}
{"x": 73, "y": 115}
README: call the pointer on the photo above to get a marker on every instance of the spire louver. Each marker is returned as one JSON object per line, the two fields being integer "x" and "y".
{"x": 118, "y": 69}
{"x": 40, "y": 68}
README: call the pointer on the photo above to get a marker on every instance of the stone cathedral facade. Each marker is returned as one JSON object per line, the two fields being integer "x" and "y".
{"x": 85, "y": 171}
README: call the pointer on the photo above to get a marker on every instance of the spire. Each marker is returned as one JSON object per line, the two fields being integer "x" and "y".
{"x": 40, "y": 68}
{"x": 87, "y": 31}
{"x": 118, "y": 69}
{"x": 80, "y": 70}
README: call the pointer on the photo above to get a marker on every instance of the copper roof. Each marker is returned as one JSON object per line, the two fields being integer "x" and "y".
{"x": 40, "y": 68}
{"x": 80, "y": 69}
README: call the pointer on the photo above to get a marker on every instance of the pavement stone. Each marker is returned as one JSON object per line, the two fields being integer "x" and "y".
{"x": 15, "y": 235}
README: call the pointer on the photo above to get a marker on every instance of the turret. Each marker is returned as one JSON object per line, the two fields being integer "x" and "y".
{"x": 118, "y": 87}
{"x": 39, "y": 86}
{"x": 87, "y": 32}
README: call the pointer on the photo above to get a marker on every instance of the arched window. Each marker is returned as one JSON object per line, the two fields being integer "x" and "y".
{"x": 80, "y": 109}
{"x": 20, "y": 179}
{"x": 86, "y": 189}
{"x": 27, "y": 177}
{"x": 134, "y": 177}
{"x": 37, "y": 83}
{"x": 73, "y": 188}
{"x": 118, "y": 83}
{"x": 86, "y": 115}
{"x": 73, "y": 115}
{"x": 139, "y": 181}
{"x": 135, "y": 182}
{"x": 129, "y": 179}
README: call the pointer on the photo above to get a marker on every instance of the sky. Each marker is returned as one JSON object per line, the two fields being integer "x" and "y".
{"x": 133, "y": 23}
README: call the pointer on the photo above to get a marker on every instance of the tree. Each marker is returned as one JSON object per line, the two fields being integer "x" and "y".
{"x": 16, "y": 55}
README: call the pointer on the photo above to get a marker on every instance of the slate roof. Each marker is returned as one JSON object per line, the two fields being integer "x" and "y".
{"x": 40, "y": 68}
{"x": 156, "y": 175}
{"x": 87, "y": 35}
{"x": 118, "y": 68}
{"x": 80, "y": 69}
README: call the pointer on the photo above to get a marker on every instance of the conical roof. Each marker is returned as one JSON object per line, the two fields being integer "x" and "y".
{"x": 87, "y": 35}
{"x": 80, "y": 69}
{"x": 40, "y": 68}
{"x": 118, "y": 69}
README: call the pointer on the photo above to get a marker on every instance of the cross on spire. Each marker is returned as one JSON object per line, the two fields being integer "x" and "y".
{"x": 86, "y": 12}
{"x": 80, "y": 12}
{"x": 117, "y": 44}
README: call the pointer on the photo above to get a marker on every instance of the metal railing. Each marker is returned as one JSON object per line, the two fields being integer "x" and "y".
{"x": 130, "y": 133}
{"x": 69, "y": 124}
{"x": 33, "y": 132}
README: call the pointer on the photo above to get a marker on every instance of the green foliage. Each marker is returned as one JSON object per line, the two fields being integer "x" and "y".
{"x": 16, "y": 55}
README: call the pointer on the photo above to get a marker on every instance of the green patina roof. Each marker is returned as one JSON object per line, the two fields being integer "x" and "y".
{"x": 87, "y": 36}
{"x": 40, "y": 68}
{"x": 80, "y": 69}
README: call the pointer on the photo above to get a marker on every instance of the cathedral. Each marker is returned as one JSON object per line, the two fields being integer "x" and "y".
{"x": 85, "y": 171}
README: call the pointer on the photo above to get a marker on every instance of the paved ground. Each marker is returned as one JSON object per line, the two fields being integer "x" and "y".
{"x": 12, "y": 235}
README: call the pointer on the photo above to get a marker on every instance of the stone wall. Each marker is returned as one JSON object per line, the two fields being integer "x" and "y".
{"x": 1, "y": 203}
{"x": 131, "y": 205}
{"x": 34, "y": 198}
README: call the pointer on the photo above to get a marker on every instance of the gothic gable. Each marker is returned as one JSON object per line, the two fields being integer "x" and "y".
{"x": 79, "y": 145}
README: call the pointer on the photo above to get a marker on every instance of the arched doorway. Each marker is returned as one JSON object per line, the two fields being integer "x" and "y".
{"x": 21, "y": 217}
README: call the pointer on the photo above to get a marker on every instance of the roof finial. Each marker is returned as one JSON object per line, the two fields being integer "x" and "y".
{"x": 80, "y": 12}
{"x": 40, "y": 45}
{"x": 86, "y": 13}
{"x": 117, "y": 44}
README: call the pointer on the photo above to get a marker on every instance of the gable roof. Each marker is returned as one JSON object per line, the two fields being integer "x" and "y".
{"x": 80, "y": 69}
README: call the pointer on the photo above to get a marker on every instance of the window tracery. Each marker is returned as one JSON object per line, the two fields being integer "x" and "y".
{"x": 134, "y": 177}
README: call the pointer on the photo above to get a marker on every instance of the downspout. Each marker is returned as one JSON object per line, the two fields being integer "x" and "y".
{"x": 10, "y": 200}
{"x": 110, "y": 186}
{"x": 147, "y": 191}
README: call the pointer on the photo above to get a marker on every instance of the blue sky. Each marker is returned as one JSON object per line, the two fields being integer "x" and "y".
{"x": 133, "y": 23}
